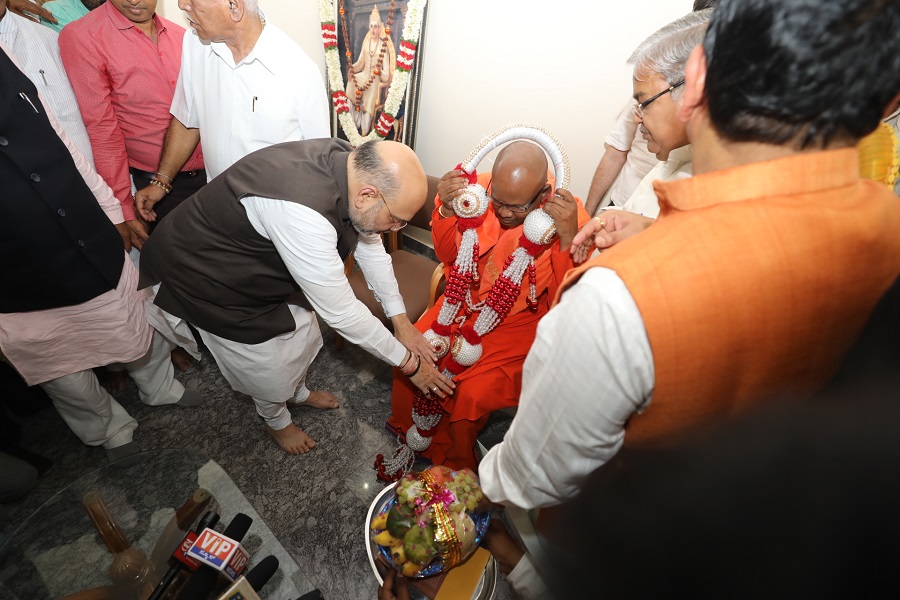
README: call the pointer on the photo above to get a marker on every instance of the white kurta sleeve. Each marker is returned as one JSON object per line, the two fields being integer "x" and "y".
{"x": 184, "y": 106}
{"x": 589, "y": 370}
{"x": 376, "y": 265}
{"x": 306, "y": 242}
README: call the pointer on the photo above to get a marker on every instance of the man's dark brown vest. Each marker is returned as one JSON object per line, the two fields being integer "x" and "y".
{"x": 216, "y": 271}
{"x": 57, "y": 246}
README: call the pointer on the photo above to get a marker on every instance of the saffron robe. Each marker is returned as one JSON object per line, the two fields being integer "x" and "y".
{"x": 495, "y": 381}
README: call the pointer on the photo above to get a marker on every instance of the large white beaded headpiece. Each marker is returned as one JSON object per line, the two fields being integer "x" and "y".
{"x": 541, "y": 228}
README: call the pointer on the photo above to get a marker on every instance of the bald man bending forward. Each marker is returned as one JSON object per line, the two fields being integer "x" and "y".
{"x": 248, "y": 258}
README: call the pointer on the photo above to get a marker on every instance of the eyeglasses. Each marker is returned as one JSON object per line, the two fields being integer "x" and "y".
{"x": 398, "y": 223}
{"x": 517, "y": 209}
{"x": 639, "y": 108}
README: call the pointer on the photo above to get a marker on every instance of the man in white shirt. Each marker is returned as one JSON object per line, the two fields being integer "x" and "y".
{"x": 658, "y": 76}
{"x": 624, "y": 164}
{"x": 37, "y": 49}
{"x": 244, "y": 85}
{"x": 607, "y": 349}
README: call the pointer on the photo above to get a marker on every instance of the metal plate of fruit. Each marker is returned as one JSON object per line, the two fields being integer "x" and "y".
{"x": 394, "y": 553}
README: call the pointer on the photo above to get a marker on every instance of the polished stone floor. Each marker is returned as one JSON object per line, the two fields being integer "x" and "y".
{"x": 315, "y": 503}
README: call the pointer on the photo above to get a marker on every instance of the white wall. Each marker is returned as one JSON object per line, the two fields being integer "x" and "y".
{"x": 487, "y": 63}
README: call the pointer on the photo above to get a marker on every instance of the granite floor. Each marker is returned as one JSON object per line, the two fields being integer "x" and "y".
{"x": 315, "y": 504}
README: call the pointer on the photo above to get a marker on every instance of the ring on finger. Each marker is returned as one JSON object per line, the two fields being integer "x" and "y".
{"x": 601, "y": 222}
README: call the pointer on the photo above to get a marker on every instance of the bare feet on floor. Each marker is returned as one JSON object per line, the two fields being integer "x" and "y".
{"x": 182, "y": 359}
{"x": 323, "y": 400}
{"x": 292, "y": 439}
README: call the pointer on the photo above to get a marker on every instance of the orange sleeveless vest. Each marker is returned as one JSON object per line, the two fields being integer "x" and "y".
{"x": 755, "y": 280}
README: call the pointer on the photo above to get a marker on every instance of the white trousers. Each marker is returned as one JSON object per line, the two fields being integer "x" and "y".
{"x": 95, "y": 416}
{"x": 273, "y": 372}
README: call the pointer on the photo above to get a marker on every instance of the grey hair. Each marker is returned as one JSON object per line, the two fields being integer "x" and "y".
{"x": 251, "y": 7}
{"x": 370, "y": 167}
{"x": 666, "y": 52}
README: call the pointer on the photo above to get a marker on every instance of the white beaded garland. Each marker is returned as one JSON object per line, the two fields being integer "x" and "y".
{"x": 465, "y": 353}
{"x": 539, "y": 227}
{"x": 471, "y": 202}
{"x": 424, "y": 422}
{"x": 416, "y": 441}
{"x": 439, "y": 343}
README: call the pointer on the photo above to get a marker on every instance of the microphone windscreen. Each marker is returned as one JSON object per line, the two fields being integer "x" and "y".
{"x": 208, "y": 520}
{"x": 238, "y": 527}
{"x": 260, "y": 574}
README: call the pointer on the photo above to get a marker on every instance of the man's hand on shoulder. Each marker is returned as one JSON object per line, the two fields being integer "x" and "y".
{"x": 563, "y": 207}
{"x": 606, "y": 230}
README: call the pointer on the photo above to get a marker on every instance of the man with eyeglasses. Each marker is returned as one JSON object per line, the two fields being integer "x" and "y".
{"x": 659, "y": 63}
{"x": 760, "y": 272}
{"x": 517, "y": 185}
{"x": 249, "y": 257}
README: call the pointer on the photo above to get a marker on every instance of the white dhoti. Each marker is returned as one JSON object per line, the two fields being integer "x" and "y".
{"x": 95, "y": 416}
{"x": 273, "y": 372}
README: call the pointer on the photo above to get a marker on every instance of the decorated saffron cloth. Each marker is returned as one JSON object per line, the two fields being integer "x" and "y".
{"x": 495, "y": 381}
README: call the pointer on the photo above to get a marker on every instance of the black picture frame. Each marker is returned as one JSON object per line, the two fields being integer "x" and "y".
{"x": 356, "y": 16}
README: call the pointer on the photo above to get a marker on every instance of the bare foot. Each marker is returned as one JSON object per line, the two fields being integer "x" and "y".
{"x": 503, "y": 547}
{"x": 182, "y": 359}
{"x": 323, "y": 400}
{"x": 292, "y": 439}
{"x": 113, "y": 381}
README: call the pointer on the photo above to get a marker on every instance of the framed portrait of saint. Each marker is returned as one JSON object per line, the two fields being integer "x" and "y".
{"x": 373, "y": 52}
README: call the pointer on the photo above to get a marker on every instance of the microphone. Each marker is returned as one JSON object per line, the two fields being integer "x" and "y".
{"x": 179, "y": 557}
{"x": 204, "y": 578}
{"x": 245, "y": 588}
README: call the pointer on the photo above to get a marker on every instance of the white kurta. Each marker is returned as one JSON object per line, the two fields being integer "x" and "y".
{"x": 589, "y": 369}
{"x": 275, "y": 94}
{"x": 625, "y": 137}
{"x": 271, "y": 372}
{"x": 678, "y": 166}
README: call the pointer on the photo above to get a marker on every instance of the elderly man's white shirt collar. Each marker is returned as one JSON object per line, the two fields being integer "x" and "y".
{"x": 269, "y": 60}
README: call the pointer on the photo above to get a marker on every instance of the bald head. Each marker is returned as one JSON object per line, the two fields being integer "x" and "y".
{"x": 519, "y": 177}
{"x": 388, "y": 172}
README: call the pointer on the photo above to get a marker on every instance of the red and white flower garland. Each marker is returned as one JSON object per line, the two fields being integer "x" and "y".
{"x": 409, "y": 40}
{"x": 539, "y": 231}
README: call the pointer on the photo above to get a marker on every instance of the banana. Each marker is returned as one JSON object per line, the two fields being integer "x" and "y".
{"x": 380, "y": 522}
{"x": 410, "y": 569}
{"x": 386, "y": 539}
{"x": 398, "y": 554}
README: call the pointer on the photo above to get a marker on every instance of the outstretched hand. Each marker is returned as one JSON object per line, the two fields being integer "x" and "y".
{"x": 407, "y": 334}
{"x": 606, "y": 230}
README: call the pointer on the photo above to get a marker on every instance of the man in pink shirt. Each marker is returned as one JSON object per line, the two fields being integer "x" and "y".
{"x": 123, "y": 62}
